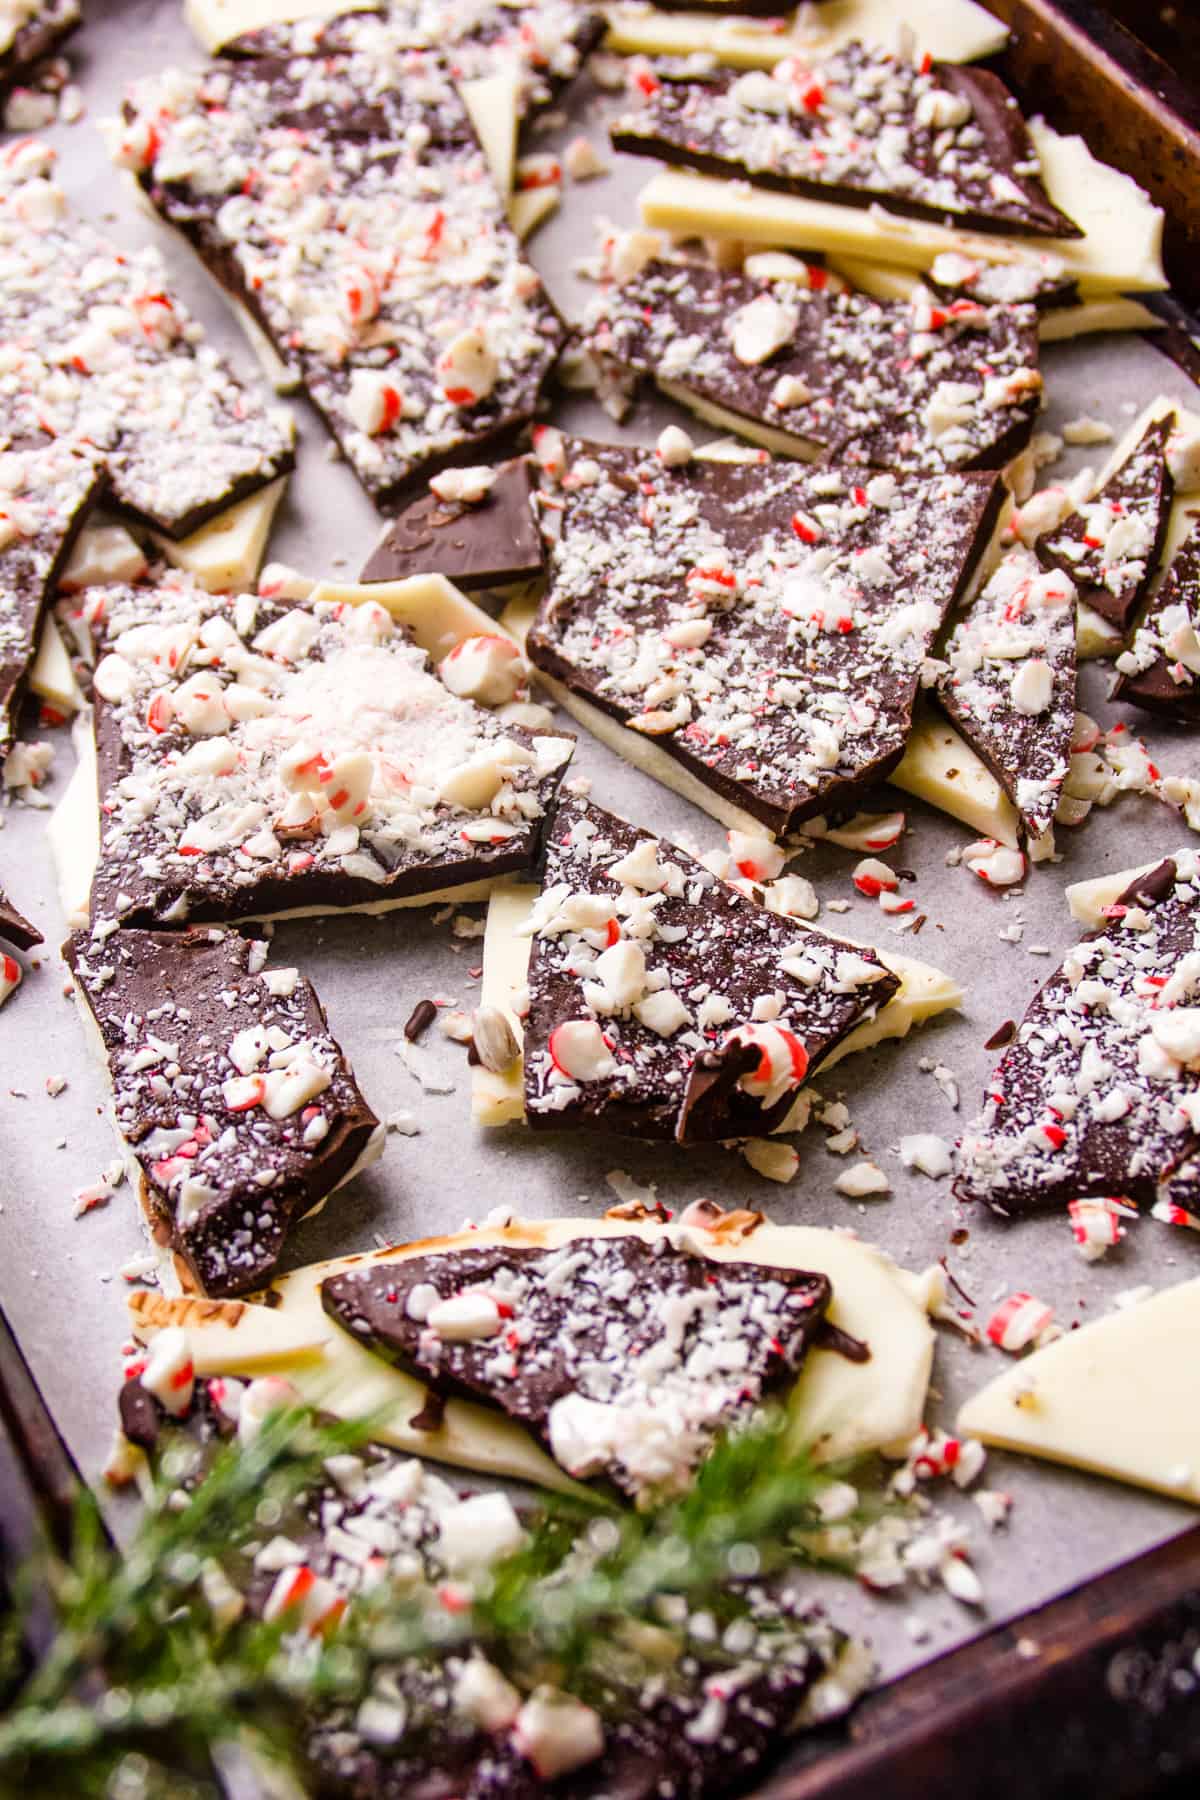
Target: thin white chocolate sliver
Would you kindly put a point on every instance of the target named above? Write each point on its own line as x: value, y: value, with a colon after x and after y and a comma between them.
x: 1087, y: 899
x: 226, y: 554
x: 73, y: 829
x: 217, y: 22
x: 925, y: 991
x: 838, y: 1407
x: 950, y: 30
x: 52, y: 678
x: 1119, y: 1397
x: 940, y: 767
x: 1095, y: 637
x: 493, y: 101
x: 531, y: 207
x: 1121, y: 249
x: 438, y: 614
x: 890, y: 281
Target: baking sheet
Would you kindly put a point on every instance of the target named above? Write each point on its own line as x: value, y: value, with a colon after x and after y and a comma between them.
x: 61, y: 1283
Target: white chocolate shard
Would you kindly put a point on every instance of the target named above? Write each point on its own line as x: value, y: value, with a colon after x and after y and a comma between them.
x: 531, y: 207
x: 1119, y: 1397
x: 1087, y: 899
x: 951, y: 30
x: 226, y: 554
x: 435, y: 611
x: 52, y: 678
x: 493, y: 102
x: 1120, y: 251
x: 940, y: 767
x: 216, y: 22
x: 837, y: 1407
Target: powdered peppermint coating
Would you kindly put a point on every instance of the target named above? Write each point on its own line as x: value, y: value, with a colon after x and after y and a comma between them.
x: 1011, y: 683
x: 1161, y: 669
x: 905, y: 386
x: 44, y: 498
x: 767, y: 624
x: 15, y: 927
x: 481, y: 544
x: 240, y: 1106
x: 1092, y: 1097
x: 859, y: 126
x: 685, y: 1731
x: 548, y: 41
x: 347, y: 201
x: 98, y: 351
x: 257, y: 756
x: 30, y: 30
x: 711, y: 962
x: 1110, y: 545
x: 625, y: 1358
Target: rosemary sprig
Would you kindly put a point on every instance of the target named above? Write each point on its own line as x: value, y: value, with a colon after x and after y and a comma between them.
x: 141, y: 1685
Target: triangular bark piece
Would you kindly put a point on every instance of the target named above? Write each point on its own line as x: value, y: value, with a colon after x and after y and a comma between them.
x: 258, y: 757
x: 1161, y: 669
x: 624, y: 1358
x: 44, y: 498
x: 914, y: 386
x: 1099, y: 1093
x: 15, y: 927
x: 663, y: 1003
x: 1011, y: 686
x: 1110, y: 545
x: 763, y: 625
x: 418, y: 328
x: 237, y: 1103
x: 860, y: 126
x: 480, y: 543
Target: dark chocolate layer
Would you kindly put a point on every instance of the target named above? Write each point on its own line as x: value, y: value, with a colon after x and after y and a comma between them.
x: 481, y: 545
x: 764, y: 625
x: 15, y: 927
x: 239, y: 1105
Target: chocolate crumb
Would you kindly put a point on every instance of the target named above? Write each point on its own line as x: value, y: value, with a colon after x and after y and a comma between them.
x: 1002, y: 1036
x: 419, y: 1020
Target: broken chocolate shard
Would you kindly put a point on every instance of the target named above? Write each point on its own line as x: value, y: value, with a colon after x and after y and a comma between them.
x: 1110, y: 544
x: 624, y: 1358
x: 547, y: 42
x: 45, y: 495
x: 764, y: 625
x: 1011, y: 683
x: 30, y: 32
x: 111, y: 361
x: 912, y: 386
x: 861, y: 127
x: 237, y: 1103
x: 663, y: 1003
x: 1099, y: 1092
x: 401, y: 230
x: 1161, y: 669
x: 259, y: 757
x: 478, y: 544
x: 15, y: 928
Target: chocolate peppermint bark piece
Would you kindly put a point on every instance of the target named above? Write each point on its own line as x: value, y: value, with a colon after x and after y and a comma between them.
x: 1161, y: 669
x: 663, y: 1003
x: 258, y: 757
x: 954, y: 276
x: 546, y: 42
x: 861, y: 127
x: 764, y: 625
x: 29, y: 31
x: 1010, y: 688
x: 913, y: 386
x: 102, y: 354
x: 1099, y: 1093
x: 346, y: 201
x: 45, y: 494
x: 15, y: 927
x: 237, y: 1103
x: 624, y: 1358
x: 475, y: 526
x: 1110, y: 545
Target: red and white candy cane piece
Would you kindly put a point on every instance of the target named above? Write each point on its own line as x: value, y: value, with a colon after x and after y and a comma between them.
x: 806, y: 528
x: 543, y: 170
x: 486, y: 668
x: 994, y: 863
x: 868, y: 831
x: 782, y: 1062
x: 1096, y: 1225
x: 755, y: 858
x: 268, y: 1394
x: 580, y: 1050
x: 305, y: 1598
x: 872, y: 878
x: 467, y: 369
x: 374, y: 400
x: 1018, y: 1322
x: 1168, y: 1213
x: 359, y: 295
x: 10, y: 975
x: 468, y: 486
x: 170, y: 1371
x: 550, y: 450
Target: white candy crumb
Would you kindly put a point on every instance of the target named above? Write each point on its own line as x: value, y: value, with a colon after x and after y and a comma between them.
x: 861, y: 1179
x: 1087, y: 431
x: 927, y: 1153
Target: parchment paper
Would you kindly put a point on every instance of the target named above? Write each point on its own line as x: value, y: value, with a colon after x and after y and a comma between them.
x: 59, y: 1277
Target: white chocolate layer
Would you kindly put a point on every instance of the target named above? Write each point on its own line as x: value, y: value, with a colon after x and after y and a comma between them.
x: 951, y: 30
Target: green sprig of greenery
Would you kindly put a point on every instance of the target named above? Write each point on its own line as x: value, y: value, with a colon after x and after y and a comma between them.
x: 142, y: 1684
